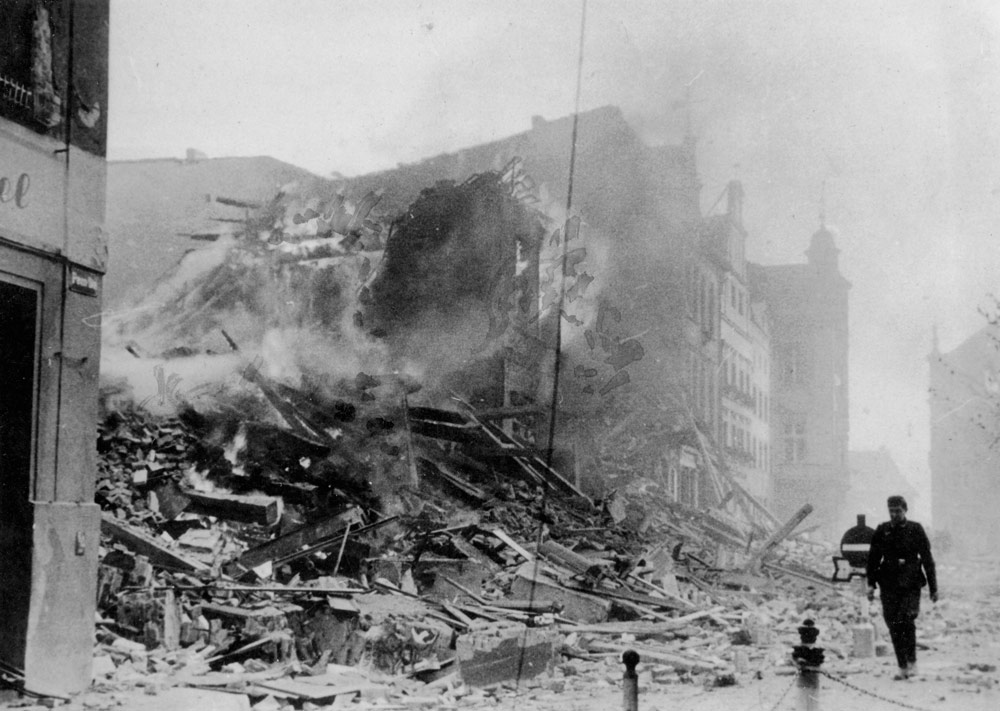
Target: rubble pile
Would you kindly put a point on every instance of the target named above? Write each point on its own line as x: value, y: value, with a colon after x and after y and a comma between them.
x: 226, y: 564
x: 330, y: 522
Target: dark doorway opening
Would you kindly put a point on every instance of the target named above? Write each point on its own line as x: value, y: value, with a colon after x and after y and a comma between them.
x: 19, y: 310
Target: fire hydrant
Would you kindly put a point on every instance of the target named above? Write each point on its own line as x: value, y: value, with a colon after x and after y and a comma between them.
x: 808, y: 658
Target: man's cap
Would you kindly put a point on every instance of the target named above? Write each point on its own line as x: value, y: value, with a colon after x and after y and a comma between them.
x: 897, y: 502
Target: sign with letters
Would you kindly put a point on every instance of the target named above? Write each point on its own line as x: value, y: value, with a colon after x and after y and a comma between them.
x: 31, y: 192
x: 83, y: 282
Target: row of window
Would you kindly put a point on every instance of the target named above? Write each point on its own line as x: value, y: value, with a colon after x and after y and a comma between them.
x: 701, y: 300
x: 702, y: 387
x: 741, y: 380
x: 736, y: 298
x: 746, y: 446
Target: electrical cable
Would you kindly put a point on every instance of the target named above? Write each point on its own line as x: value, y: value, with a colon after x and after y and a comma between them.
x: 553, y: 407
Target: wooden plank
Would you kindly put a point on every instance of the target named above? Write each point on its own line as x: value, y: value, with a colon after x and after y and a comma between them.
x: 511, y: 543
x: 457, y: 614
x: 656, y: 654
x: 637, y: 598
x: 410, y: 459
x: 312, y: 692
x: 823, y: 582
x: 561, y: 555
x: 464, y: 589
x: 641, y: 628
x: 775, y: 538
x: 294, y: 541
x: 502, y: 413
x: 261, y: 510
x: 140, y: 542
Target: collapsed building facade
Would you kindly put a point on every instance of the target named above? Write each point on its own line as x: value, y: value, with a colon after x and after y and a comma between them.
x: 665, y: 321
x: 707, y: 333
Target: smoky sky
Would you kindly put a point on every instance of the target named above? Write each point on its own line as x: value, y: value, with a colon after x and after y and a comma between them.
x: 881, y: 114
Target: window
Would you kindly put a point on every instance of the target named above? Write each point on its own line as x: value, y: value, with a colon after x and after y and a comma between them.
x: 795, y: 441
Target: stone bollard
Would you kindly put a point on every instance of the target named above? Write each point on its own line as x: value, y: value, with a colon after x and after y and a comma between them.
x: 630, y: 681
x: 864, y: 640
x: 809, y: 658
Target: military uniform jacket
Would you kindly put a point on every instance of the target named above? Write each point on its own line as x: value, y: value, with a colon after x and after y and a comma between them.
x: 900, y: 557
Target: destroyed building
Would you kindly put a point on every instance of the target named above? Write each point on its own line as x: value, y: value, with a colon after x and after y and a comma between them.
x: 160, y: 208
x: 324, y: 430
x: 664, y: 318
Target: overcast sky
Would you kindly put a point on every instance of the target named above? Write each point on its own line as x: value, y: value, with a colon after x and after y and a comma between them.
x: 891, y: 104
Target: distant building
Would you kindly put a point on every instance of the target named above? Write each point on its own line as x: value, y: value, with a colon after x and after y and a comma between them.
x: 809, y: 341
x: 874, y: 477
x: 745, y: 378
x: 964, y: 394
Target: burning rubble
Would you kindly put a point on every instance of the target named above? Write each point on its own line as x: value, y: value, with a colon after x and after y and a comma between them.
x: 316, y: 484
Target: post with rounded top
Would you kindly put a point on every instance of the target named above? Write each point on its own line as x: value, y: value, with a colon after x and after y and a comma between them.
x: 630, y: 681
x: 808, y: 658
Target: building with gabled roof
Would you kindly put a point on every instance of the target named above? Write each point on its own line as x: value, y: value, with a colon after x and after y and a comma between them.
x: 808, y: 307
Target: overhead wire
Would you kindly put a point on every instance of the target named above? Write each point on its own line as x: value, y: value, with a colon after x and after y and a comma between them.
x: 557, y: 345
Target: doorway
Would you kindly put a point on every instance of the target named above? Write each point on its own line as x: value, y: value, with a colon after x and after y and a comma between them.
x: 20, y: 304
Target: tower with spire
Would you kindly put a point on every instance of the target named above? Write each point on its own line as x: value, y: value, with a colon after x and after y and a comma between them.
x: 808, y: 307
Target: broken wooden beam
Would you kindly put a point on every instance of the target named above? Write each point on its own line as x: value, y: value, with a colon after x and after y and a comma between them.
x: 657, y: 654
x: 261, y: 510
x: 641, y: 627
x: 141, y: 543
x: 296, y: 540
x: 513, y: 411
x: 533, y: 584
x: 511, y: 543
x: 753, y: 564
x: 573, y: 561
x: 439, y: 470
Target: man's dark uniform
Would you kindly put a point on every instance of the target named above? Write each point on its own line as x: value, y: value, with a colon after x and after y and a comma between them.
x: 900, y: 562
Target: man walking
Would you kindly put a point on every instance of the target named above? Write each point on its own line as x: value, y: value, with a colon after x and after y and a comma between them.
x: 900, y: 562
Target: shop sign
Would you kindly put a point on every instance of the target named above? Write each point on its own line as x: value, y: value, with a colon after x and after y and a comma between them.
x: 83, y: 282
x: 14, y: 190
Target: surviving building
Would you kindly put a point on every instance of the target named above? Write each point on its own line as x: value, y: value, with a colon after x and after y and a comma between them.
x: 745, y: 363
x: 808, y: 311
x: 53, y: 126
x: 964, y: 392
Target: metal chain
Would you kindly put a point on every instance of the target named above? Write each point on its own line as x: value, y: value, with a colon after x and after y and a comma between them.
x: 849, y: 685
x: 776, y: 705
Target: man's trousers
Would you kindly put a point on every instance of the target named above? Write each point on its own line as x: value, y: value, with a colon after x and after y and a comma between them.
x: 900, y: 608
